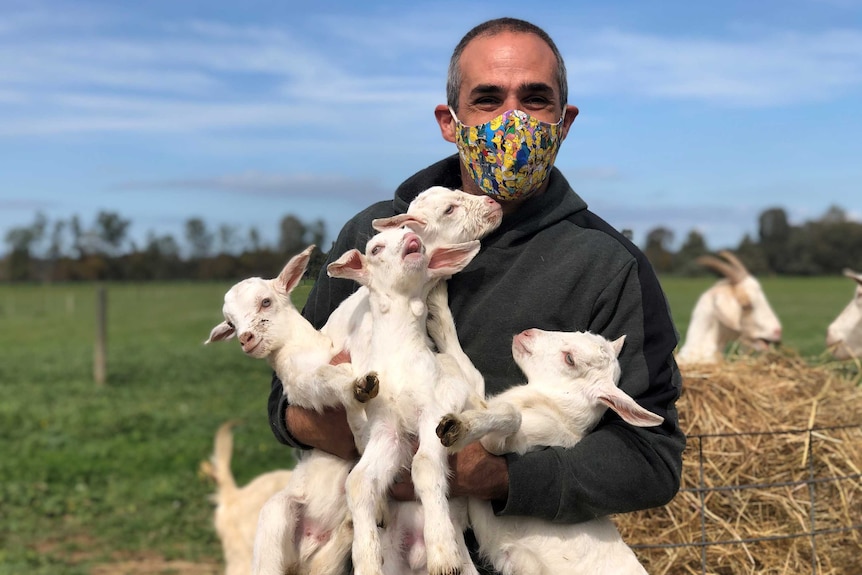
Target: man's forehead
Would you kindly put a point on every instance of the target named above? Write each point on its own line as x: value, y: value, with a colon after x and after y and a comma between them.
x: 504, y: 59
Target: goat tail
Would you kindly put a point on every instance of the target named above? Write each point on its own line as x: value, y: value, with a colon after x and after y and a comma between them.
x: 221, y: 457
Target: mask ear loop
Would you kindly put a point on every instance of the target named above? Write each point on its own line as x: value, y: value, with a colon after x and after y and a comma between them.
x: 454, y: 115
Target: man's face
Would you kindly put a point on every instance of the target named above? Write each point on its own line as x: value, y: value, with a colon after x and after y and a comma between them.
x: 508, y: 71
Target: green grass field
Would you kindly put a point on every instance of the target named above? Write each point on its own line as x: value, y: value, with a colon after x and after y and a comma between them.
x: 92, y: 475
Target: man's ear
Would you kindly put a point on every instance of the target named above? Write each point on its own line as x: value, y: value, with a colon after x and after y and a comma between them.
x: 571, y: 114
x: 446, y: 122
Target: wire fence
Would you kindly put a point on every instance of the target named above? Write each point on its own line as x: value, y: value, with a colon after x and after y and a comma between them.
x: 823, y: 485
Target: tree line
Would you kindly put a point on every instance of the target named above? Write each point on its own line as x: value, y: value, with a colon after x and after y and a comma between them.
x: 68, y: 250
x: 822, y: 246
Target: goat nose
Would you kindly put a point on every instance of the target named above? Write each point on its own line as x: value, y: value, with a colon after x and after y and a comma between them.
x: 246, y: 337
x: 778, y: 334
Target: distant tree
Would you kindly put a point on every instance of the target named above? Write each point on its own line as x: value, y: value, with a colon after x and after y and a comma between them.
x: 77, y: 233
x: 657, y: 249
x: 315, y: 233
x: 693, y: 247
x: 834, y: 215
x: 751, y: 254
x: 254, y: 244
x: 199, y: 238
x: 833, y: 242
x: 228, y: 239
x: 775, y: 231
x: 22, y: 242
x: 111, y: 230
x: 291, y: 235
x: 55, y: 246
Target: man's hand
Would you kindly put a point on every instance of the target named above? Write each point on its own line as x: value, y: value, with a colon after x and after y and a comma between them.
x: 328, y: 431
x: 473, y: 472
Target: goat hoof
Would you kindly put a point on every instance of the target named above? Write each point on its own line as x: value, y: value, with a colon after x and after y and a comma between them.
x: 366, y: 388
x: 449, y: 430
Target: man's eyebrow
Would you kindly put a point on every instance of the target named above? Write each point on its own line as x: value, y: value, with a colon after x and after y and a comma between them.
x: 526, y: 88
x: 534, y: 87
x: 483, y: 89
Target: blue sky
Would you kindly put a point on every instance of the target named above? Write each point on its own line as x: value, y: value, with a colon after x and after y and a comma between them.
x: 693, y: 115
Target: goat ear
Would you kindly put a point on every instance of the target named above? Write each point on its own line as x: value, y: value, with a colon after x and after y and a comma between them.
x: 728, y: 310
x: 220, y: 332
x: 857, y: 277
x: 449, y: 260
x: 415, y: 223
x: 351, y: 265
x: 294, y: 269
x: 617, y: 344
x: 628, y: 409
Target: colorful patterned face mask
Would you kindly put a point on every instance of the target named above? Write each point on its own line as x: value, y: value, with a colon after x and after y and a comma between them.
x: 510, y: 156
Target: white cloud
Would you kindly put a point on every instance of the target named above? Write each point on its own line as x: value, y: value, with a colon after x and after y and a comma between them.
x: 773, y: 69
x: 272, y: 184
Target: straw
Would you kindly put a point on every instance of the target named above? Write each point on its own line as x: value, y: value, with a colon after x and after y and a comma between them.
x: 768, y: 436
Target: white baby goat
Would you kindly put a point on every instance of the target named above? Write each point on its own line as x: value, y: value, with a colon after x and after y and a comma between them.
x: 735, y: 308
x: 572, y: 379
x: 844, y: 335
x: 237, y: 508
x: 440, y: 216
x: 305, y: 528
x: 416, y: 390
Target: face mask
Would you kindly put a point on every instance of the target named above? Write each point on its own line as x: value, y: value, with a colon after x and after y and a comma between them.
x: 510, y: 156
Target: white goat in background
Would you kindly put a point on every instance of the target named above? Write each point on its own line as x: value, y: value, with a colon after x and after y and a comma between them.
x: 571, y: 381
x: 735, y: 308
x: 237, y: 508
x: 416, y: 391
x: 844, y: 335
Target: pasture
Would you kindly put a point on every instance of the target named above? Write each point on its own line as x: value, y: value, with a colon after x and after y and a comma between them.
x: 93, y: 477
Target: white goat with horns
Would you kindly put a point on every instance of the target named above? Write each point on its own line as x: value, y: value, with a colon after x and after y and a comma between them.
x: 844, y: 335
x: 735, y: 308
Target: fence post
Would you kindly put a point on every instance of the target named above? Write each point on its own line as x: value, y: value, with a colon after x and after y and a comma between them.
x: 100, y: 353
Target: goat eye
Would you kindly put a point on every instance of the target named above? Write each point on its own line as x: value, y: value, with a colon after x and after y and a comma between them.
x: 449, y: 209
x: 265, y: 302
x: 570, y: 359
x: 375, y: 250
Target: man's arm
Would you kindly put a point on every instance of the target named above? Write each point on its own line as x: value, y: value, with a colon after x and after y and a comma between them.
x: 616, y: 468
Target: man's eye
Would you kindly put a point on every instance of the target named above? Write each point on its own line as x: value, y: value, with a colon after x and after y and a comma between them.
x: 265, y: 302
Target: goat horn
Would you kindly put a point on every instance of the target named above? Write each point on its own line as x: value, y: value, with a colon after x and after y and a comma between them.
x: 735, y: 261
x: 727, y: 270
x: 852, y: 275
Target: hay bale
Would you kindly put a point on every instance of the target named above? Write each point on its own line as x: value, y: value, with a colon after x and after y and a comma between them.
x: 773, y: 434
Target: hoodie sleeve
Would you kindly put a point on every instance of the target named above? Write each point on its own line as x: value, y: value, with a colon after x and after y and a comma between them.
x: 617, y: 468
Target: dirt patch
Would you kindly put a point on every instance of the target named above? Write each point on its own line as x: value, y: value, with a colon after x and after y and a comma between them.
x: 156, y: 565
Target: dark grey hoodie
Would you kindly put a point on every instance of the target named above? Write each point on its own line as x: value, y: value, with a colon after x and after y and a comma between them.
x: 553, y: 265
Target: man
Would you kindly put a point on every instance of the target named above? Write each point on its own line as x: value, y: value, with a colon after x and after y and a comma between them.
x: 552, y: 264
